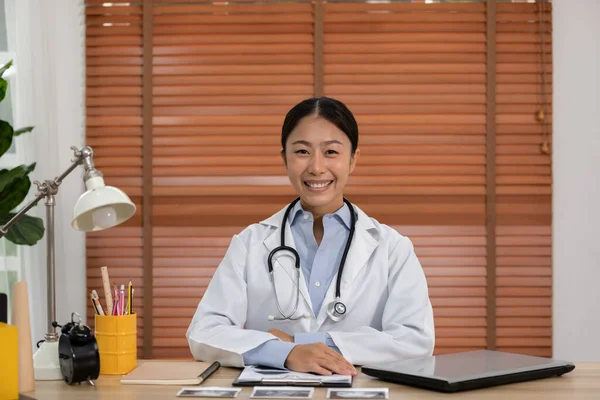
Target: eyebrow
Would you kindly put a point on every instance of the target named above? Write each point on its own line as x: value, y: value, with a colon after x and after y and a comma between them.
x: 304, y: 142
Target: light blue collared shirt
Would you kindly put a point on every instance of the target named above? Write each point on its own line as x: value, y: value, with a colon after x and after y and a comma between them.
x: 319, y: 265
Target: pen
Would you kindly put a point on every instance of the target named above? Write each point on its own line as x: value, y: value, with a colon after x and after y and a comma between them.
x: 129, y: 298
x: 107, y: 294
x: 209, y: 371
x: 96, y: 303
x: 115, y: 310
x: 122, y: 300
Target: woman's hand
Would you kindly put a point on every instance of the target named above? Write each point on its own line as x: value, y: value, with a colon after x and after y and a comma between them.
x: 281, y: 335
x: 318, y: 358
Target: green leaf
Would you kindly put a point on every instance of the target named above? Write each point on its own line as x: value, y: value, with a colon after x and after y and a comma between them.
x: 5, y: 67
x: 27, y: 231
x: 23, y: 130
x: 3, y: 87
x: 14, y: 194
x: 6, y: 176
x: 6, y: 135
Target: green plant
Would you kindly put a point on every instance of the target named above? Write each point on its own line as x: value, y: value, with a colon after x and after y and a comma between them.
x: 15, y: 184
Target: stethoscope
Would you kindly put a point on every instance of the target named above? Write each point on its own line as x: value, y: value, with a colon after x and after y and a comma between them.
x: 336, y: 309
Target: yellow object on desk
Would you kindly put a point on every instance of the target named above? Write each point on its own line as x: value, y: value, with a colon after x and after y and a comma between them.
x: 117, y: 343
x: 9, y: 362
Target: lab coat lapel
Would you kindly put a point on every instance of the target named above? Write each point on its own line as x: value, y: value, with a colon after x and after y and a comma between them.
x: 282, y: 261
x: 362, y: 247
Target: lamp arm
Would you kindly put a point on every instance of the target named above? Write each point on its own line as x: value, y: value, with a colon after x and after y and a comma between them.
x: 50, y: 187
x: 4, y: 228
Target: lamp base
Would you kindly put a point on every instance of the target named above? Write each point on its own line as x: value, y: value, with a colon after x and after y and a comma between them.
x: 46, y: 366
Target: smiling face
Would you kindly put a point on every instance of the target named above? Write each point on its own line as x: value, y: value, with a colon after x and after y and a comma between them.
x: 318, y: 159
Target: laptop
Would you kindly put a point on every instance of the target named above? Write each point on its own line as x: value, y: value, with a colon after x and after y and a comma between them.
x: 468, y: 370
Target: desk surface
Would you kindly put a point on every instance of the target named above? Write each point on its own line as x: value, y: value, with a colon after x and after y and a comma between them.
x: 582, y: 383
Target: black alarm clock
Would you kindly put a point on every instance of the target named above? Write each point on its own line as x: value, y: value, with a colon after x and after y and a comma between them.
x: 78, y: 353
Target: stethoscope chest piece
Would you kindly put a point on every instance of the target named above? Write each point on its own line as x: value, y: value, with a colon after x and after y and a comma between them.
x: 336, y: 310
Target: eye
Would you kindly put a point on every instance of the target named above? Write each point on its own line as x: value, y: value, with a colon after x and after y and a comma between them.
x: 301, y: 151
x: 331, y: 152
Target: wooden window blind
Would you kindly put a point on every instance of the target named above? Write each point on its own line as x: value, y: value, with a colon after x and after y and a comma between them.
x: 114, y: 130
x: 415, y: 76
x: 524, y: 181
x: 224, y: 74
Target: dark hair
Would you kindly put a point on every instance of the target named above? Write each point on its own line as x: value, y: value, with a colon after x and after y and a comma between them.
x: 332, y: 110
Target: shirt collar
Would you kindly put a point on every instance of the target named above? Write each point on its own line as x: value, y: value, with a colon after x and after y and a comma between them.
x: 342, y: 214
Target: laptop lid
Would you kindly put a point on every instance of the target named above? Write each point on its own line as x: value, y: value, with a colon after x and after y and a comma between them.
x: 468, y: 370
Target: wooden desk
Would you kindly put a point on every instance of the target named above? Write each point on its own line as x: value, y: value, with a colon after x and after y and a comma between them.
x: 582, y: 383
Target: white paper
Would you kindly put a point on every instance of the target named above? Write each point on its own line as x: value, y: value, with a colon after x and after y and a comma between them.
x: 208, y: 391
x: 282, y: 392
x: 358, y: 393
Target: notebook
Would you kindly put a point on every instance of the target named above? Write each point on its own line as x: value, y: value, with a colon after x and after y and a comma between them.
x: 182, y: 373
x: 468, y: 370
x: 263, y: 376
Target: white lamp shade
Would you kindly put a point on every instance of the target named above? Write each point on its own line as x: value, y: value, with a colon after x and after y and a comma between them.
x: 101, y: 207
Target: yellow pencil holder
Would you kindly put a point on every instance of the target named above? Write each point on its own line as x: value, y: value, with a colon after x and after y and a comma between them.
x: 117, y: 343
x: 9, y: 364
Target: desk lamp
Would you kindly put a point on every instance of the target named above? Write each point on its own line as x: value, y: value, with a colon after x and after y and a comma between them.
x: 100, y: 207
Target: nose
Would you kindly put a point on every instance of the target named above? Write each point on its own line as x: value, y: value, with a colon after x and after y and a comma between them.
x: 316, y: 166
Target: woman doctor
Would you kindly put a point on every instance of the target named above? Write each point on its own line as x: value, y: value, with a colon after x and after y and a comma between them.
x: 345, y: 290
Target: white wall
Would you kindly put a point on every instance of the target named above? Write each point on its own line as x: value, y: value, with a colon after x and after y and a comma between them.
x: 576, y: 169
x: 50, y: 45
x: 65, y: 57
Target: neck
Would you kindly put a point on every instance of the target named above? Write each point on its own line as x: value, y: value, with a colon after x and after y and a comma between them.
x: 319, y: 212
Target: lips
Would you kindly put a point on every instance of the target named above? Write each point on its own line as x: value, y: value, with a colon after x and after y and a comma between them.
x: 318, y: 185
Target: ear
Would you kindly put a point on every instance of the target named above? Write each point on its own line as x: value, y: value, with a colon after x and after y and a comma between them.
x: 354, y: 159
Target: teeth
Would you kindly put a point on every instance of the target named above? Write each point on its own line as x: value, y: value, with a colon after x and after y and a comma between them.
x: 318, y: 185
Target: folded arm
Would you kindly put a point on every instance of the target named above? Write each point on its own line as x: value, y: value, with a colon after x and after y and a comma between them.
x: 270, y: 354
x: 275, y: 352
x: 316, y: 337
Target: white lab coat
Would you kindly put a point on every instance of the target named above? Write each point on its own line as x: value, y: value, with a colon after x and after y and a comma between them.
x: 389, y: 315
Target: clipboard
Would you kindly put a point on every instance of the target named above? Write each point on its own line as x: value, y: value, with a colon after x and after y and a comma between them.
x: 264, y: 376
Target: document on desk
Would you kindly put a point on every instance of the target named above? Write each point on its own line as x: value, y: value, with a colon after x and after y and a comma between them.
x: 263, y: 376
